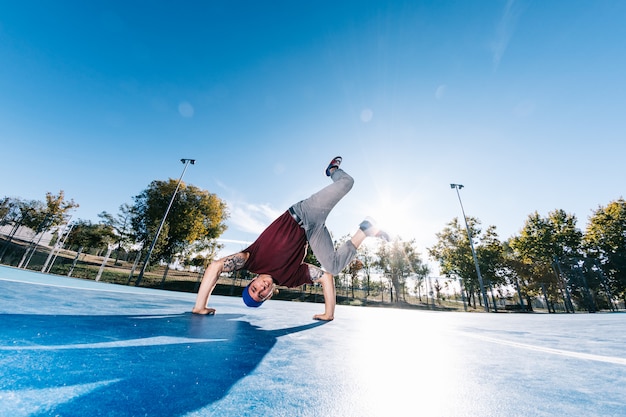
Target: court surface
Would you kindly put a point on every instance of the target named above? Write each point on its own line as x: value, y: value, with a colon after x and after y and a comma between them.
x: 71, y: 347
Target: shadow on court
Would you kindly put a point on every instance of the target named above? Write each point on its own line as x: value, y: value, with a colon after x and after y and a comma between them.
x: 127, y: 364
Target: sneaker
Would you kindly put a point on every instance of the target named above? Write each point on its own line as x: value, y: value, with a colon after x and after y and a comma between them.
x: 369, y: 228
x: 333, y: 164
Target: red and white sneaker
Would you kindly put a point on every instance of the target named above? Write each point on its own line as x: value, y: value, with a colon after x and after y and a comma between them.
x: 333, y: 164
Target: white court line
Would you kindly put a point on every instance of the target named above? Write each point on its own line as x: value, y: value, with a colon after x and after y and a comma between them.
x: 578, y: 355
x: 148, y: 341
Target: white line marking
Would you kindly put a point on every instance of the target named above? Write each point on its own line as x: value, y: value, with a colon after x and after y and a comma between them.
x: 578, y: 355
x: 148, y: 341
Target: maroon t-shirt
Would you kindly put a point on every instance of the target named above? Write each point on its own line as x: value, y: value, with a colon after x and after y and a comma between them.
x: 279, y: 251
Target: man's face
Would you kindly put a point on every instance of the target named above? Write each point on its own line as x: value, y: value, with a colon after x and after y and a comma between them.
x: 261, y: 288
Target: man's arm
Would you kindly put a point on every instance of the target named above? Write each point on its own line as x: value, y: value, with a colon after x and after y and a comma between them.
x: 328, y: 289
x: 210, y: 277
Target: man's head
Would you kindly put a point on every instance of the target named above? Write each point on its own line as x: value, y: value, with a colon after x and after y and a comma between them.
x: 260, y: 289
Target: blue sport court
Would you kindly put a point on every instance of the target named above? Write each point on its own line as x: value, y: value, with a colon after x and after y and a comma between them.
x: 72, y: 347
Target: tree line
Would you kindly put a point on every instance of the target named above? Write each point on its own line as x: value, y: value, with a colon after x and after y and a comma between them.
x: 189, y: 235
x: 551, y: 258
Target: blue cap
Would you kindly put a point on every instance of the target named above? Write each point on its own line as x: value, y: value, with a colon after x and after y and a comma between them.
x: 250, y: 302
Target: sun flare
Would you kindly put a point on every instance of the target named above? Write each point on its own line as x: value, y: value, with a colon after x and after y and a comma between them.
x: 392, y: 216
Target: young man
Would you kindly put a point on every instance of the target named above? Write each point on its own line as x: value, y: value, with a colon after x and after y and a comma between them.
x: 278, y: 253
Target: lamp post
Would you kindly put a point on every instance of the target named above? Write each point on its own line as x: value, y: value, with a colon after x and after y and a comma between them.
x: 156, y: 236
x: 457, y: 187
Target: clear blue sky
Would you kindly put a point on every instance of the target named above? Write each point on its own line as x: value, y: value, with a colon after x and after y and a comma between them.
x: 523, y: 102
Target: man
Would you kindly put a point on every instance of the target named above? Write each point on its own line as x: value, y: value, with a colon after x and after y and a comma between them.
x: 278, y: 253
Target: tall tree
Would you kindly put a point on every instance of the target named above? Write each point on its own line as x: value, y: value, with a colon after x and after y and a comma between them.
x: 11, y: 210
x: 57, y: 208
x: 605, y: 240
x: 196, y: 217
x: 454, y: 255
x: 120, y: 225
x: 353, y: 270
x: 41, y: 216
x: 86, y: 235
x: 518, y: 275
x: 365, y: 255
x: 36, y: 215
x: 490, y: 254
x: 399, y: 261
x: 5, y: 209
x: 542, y: 241
x: 89, y: 235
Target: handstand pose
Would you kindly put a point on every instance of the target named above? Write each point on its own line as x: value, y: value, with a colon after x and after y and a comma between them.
x: 278, y: 253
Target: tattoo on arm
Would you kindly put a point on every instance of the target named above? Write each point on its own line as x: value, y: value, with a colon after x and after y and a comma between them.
x: 234, y: 262
x: 315, y: 273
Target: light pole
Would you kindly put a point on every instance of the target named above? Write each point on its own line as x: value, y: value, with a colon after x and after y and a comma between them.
x: 156, y: 236
x: 457, y: 187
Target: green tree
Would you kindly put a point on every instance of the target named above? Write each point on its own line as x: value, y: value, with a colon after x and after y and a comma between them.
x: 542, y: 241
x: 120, y: 224
x: 518, y: 274
x: 195, y: 219
x: 86, y: 235
x: 367, y: 258
x: 5, y: 209
x: 399, y: 261
x: 11, y: 210
x: 353, y: 270
x: 42, y: 216
x: 605, y: 240
x: 490, y: 254
x: 36, y: 215
x: 57, y: 207
x: 454, y: 255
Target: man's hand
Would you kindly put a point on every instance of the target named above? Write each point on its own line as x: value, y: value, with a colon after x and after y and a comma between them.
x: 210, y: 277
x: 204, y: 311
x: 328, y: 289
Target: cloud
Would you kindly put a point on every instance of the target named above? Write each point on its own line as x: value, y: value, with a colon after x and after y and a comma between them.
x: 237, y: 241
x: 505, y: 28
x: 247, y: 217
x: 252, y: 218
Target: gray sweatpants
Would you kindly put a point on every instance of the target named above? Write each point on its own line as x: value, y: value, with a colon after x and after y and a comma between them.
x: 314, y: 210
